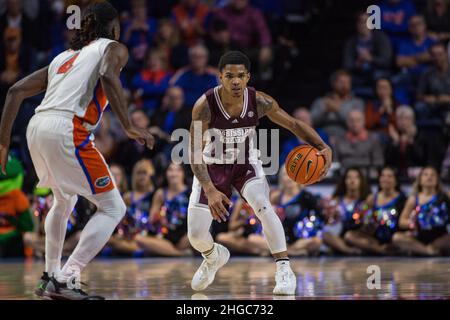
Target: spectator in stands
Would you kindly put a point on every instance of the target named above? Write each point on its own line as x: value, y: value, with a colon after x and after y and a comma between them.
x: 359, y: 147
x: 342, y: 211
x: 105, y: 141
x: 425, y: 218
x: 138, y: 33
x: 299, y: 211
x: 198, y: 77
x: 304, y: 115
x: 367, y: 55
x: 15, y: 17
x: 433, y: 92
x: 380, y: 219
x: 16, y: 223
x: 120, y: 177
x: 152, y: 81
x: 137, y: 218
x: 409, y: 148
x: 171, y: 115
x: 437, y: 17
x: 395, y: 15
x: 219, y: 41
x: 330, y: 112
x: 167, y: 39
x: 130, y: 151
x: 168, y: 217
x: 248, y: 28
x: 244, y: 234
x: 15, y: 60
x: 380, y: 112
x: 191, y: 18
x: 413, y: 58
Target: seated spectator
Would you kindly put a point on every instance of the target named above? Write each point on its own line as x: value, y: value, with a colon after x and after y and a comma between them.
x: 359, y: 147
x: 197, y: 78
x: 219, y: 41
x: 120, y: 177
x: 171, y: 115
x: 16, y: 223
x: 367, y: 55
x: 304, y: 115
x: 191, y: 18
x: 137, y: 217
x: 248, y: 28
x: 330, y: 112
x: 380, y: 112
x: 380, y: 219
x: 105, y: 141
x: 299, y: 211
x: 342, y: 211
x: 132, y: 151
x: 244, y: 234
x: 167, y: 39
x: 151, y: 82
x: 139, y: 32
x: 425, y: 218
x: 412, y: 58
x: 168, y: 217
x: 15, y: 60
x: 409, y: 148
x: 395, y: 15
x: 437, y: 17
x: 433, y: 91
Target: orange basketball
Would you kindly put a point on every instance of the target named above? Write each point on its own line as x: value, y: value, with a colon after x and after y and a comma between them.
x: 303, y: 165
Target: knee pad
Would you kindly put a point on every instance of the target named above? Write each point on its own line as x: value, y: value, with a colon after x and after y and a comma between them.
x: 110, y: 203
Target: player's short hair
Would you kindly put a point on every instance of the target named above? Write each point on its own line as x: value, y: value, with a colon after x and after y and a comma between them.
x: 94, y: 24
x: 234, y: 57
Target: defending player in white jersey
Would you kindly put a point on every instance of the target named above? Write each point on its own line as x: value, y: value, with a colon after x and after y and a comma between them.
x: 78, y: 83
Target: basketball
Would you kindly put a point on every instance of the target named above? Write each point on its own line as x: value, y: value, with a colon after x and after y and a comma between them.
x: 303, y: 165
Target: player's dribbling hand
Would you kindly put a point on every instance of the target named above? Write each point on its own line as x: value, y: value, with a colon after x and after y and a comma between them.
x: 143, y: 136
x: 4, y: 151
x: 215, y: 203
x: 328, y: 155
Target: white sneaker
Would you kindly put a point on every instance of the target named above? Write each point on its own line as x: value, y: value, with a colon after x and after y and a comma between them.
x: 286, y: 282
x: 205, y: 274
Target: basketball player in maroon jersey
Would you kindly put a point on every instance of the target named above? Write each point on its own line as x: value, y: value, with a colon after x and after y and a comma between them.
x: 230, y: 112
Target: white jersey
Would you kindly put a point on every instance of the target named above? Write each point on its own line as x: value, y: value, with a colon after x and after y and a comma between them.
x: 74, y: 86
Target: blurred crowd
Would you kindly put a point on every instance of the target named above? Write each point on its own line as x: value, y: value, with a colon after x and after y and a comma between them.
x: 386, y: 115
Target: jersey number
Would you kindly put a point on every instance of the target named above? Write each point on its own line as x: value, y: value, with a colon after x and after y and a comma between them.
x: 66, y: 66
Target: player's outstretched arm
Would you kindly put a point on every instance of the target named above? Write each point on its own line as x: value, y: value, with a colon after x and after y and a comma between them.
x: 29, y: 86
x: 201, y: 116
x: 115, y: 58
x: 267, y: 106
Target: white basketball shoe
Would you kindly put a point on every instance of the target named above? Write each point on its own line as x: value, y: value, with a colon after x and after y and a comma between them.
x: 205, y: 274
x: 285, y: 279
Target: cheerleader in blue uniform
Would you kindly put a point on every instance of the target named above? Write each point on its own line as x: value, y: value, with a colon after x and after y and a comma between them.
x: 425, y: 218
x: 137, y: 217
x: 299, y: 211
x: 244, y: 234
x: 167, y: 235
x: 343, y: 210
x: 380, y: 216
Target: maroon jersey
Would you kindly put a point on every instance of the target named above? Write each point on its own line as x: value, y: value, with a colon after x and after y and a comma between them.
x: 238, y: 163
x: 237, y: 134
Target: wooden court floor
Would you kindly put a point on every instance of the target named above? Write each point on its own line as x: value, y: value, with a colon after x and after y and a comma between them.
x: 245, y: 278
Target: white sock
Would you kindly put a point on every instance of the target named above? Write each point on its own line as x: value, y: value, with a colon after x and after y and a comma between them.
x: 55, y: 229
x: 213, y: 255
x: 282, y: 264
x: 96, y: 233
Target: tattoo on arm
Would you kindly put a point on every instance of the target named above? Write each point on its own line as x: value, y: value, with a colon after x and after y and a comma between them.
x: 264, y: 104
x: 200, y: 114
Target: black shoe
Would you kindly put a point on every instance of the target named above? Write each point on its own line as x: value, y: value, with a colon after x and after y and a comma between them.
x: 59, y: 291
x: 42, y: 285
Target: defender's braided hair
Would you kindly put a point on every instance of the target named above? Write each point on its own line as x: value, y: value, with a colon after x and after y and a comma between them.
x: 94, y: 24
